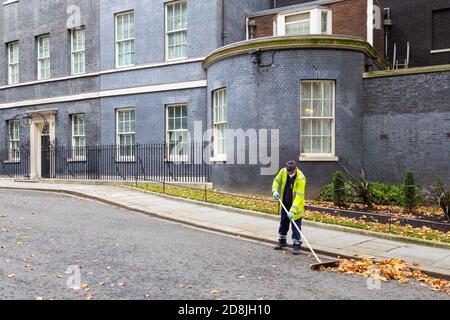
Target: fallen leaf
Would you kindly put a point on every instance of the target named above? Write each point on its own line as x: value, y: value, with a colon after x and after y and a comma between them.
x: 12, y: 275
x: 38, y: 298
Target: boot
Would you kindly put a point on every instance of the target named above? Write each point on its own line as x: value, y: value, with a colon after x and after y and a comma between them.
x: 296, y: 247
x: 281, y: 244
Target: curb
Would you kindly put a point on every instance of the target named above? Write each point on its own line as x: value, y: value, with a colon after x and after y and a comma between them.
x: 333, y: 227
x: 200, y: 226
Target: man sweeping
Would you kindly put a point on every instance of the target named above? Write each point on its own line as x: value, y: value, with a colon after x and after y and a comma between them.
x: 289, y: 187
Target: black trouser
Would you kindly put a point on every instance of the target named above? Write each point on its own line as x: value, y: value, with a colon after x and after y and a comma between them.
x: 284, y: 228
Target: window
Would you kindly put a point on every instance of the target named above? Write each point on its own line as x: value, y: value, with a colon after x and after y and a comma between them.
x: 317, y: 118
x: 14, y: 140
x: 176, y: 30
x: 13, y: 63
x: 324, y: 22
x: 220, y: 122
x: 43, y: 57
x: 440, y: 39
x: 177, y: 132
x: 78, y: 137
x: 297, y: 24
x: 314, y: 21
x: 126, y: 133
x: 78, y: 51
x: 125, y: 39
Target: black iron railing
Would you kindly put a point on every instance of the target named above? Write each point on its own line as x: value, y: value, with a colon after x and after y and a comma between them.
x: 15, y: 163
x: 141, y: 162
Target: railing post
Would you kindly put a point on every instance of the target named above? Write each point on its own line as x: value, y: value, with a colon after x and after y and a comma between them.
x: 206, y: 194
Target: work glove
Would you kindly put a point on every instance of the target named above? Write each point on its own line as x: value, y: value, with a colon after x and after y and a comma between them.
x: 276, y: 195
x: 290, y: 215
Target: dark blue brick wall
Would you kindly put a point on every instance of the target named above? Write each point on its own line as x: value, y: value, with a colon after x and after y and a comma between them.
x: 270, y: 98
x: 407, y: 127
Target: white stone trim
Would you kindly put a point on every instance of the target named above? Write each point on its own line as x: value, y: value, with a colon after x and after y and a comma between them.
x: 109, y: 93
x: 370, y: 17
x: 9, y: 2
x: 318, y: 159
x: 440, y: 51
x: 109, y: 71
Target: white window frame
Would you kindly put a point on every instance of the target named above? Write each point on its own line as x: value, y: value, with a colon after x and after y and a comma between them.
x: 81, y: 52
x: 119, y: 156
x: 76, y: 156
x: 176, y: 157
x: 13, y: 141
x: 320, y: 156
x: 329, y: 22
x: 315, y: 21
x: 132, y: 39
x: 305, y: 20
x: 43, y: 59
x: 167, y: 32
x: 13, y: 65
x: 218, y: 124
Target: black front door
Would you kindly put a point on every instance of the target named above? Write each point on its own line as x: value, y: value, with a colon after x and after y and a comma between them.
x: 45, y: 156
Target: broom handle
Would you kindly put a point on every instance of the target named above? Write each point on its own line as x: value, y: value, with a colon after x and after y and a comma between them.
x: 301, y: 234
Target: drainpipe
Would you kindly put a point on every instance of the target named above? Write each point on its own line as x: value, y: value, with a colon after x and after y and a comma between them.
x: 387, y: 29
x: 224, y: 32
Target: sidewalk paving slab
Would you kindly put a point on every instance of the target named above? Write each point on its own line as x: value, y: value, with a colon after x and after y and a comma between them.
x: 259, y: 227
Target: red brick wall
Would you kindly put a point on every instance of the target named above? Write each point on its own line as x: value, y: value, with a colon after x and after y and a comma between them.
x: 264, y: 25
x: 350, y: 18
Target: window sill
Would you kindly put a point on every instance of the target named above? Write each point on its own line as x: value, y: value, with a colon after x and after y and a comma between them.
x: 218, y: 159
x: 81, y: 159
x: 12, y: 162
x: 176, y: 59
x: 125, y: 160
x: 318, y: 159
x: 9, y: 2
x: 446, y: 50
x: 177, y: 159
x: 126, y: 66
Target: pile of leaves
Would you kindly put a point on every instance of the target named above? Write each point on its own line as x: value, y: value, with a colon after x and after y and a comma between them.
x: 389, y: 269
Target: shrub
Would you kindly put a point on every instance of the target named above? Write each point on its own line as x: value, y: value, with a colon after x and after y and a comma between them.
x: 440, y: 195
x: 339, y: 193
x: 361, y: 187
x: 387, y: 194
x: 383, y: 194
x: 410, y: 192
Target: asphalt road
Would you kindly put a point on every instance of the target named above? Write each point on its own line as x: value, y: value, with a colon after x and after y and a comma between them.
x: 127, y: 255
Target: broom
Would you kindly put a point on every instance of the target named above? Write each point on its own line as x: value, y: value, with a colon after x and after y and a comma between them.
x: 320, y: 264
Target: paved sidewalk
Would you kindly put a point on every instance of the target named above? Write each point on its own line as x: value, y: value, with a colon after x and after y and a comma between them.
x: 257, y: 227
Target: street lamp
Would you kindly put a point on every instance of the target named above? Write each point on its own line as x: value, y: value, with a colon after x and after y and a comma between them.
x: 28, y: 119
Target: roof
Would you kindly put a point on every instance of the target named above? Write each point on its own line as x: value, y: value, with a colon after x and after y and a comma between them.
x: 294, y: 8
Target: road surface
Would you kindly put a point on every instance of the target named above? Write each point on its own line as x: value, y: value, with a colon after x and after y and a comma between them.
x: 47, y: 239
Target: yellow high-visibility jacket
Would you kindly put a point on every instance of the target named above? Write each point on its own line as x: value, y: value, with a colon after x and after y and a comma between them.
x: 298, y: 199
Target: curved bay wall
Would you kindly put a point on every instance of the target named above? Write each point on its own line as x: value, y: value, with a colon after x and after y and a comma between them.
x: 269, y: 98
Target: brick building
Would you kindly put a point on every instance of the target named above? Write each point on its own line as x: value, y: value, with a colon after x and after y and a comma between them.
x: 316, y: 74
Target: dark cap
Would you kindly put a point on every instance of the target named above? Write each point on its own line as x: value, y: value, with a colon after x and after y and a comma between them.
x: 291, y: 166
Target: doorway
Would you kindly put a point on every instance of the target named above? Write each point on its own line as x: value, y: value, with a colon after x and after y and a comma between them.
x: 42, y: 140
x: 46, y: 154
